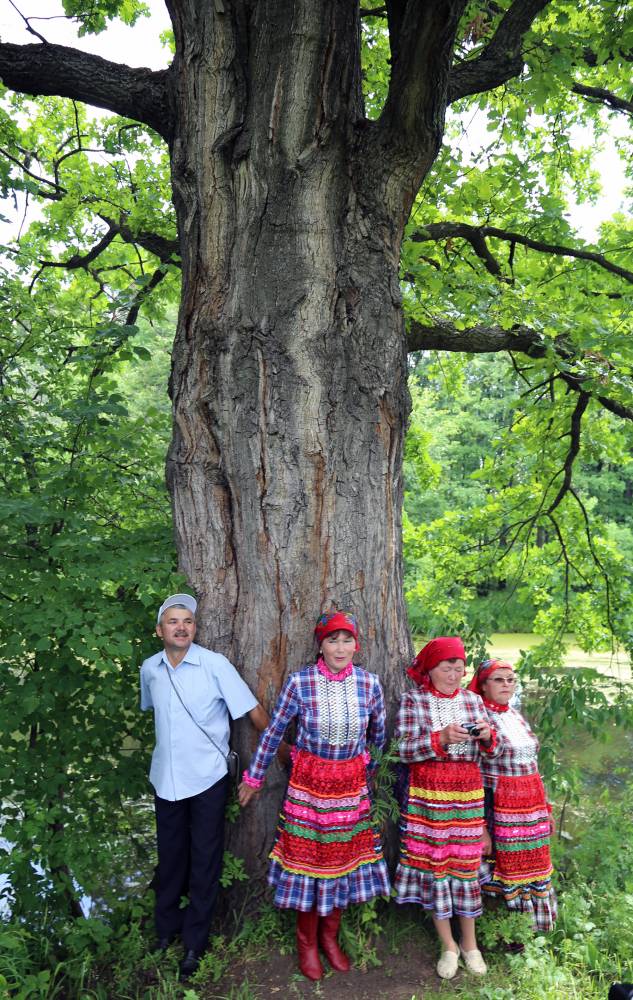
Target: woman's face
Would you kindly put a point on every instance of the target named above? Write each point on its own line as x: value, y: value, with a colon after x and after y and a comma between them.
x: 447, y: 675
x: 500, y: 685
x: 337, y: 649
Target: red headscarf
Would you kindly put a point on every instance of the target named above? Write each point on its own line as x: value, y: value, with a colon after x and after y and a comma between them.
x: 483, y: 672
x: 442, y: 648
x: 335, y: 621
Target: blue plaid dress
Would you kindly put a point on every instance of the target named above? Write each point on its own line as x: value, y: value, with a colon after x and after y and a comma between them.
x: 326, y: 851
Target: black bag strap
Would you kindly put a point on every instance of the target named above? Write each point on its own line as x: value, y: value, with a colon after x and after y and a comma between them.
x: 202, y: 730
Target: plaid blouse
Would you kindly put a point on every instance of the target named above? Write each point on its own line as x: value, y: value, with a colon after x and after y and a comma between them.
x: 302, y: 697
x: 421, y: 717
x: 520, y: 748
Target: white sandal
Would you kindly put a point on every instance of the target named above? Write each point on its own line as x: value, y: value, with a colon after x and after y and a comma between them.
x: 446, y: 968
x: 474, y: 962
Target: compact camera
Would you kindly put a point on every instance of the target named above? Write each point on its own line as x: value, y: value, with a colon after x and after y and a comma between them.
x: 472, y: 729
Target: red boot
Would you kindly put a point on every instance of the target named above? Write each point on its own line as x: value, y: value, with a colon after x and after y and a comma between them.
x: 307, y: 944
x: 328, y: 941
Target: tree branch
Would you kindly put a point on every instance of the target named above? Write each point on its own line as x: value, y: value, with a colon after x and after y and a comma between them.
x: 145, y: 292
x: 502, y: 57
x: 479, y: 339
x: 601, y: 96
x: 83, y: 260
x: 421, y: 37
x: 140, y: 94
x: 594, y: 554
x: 57, y: 192
x: 165, y: 249
x: 574, y: 447
x: 475, y: 234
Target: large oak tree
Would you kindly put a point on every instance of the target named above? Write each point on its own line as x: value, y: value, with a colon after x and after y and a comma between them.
x: 292, y: 198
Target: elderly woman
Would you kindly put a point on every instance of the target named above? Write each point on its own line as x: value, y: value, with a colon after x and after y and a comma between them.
x: 327, y: 853
x: 444, y: 733
x: 517, y: 811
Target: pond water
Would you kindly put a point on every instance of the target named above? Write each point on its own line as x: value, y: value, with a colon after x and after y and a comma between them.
x: 508, y: 645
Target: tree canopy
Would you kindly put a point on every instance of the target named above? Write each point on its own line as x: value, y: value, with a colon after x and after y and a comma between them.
x: 517, y: 325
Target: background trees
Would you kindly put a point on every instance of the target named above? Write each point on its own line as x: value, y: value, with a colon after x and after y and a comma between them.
x: 298, y: 164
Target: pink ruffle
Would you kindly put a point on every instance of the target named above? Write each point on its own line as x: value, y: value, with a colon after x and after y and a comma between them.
x: 317, y: 819
x: 441, y: 851
x: 323, y: 668
x: 252, y: 782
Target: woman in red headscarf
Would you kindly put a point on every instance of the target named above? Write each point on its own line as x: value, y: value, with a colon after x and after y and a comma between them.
x: 517, y: 812
x: 327, y: 853
x: 444, y: 733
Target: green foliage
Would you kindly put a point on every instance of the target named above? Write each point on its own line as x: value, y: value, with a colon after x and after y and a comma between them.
x: 86, y: 550
x: 359, y: 930
x: 93, y: 16
x: 482, y: 468
x: 487, y: 544
x: 595, y: 927
x: 233, y: 870
x: 384, y: 804
x: 84, y: 536
x: 375, y: 62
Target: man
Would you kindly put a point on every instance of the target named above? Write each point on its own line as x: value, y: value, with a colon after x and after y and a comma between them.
x: 193, y: 691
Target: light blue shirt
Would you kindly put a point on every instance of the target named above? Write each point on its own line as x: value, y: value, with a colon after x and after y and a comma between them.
x: 184, y: 761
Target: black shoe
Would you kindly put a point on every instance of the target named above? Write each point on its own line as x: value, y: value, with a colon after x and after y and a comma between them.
x: 189, y: 964
x: 163, y: 943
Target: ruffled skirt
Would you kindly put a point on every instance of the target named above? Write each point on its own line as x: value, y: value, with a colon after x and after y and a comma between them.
x: 327, y: 852
x: 520, y: 872
x: 441, y: 839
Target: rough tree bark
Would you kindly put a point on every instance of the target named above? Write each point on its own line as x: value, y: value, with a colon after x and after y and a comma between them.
x: 289, y: 375
x: 289, y: 366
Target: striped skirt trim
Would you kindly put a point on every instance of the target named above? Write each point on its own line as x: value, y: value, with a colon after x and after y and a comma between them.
x: 520, y: 872
x: 521, y: 848
x: 327, y: 832
x: 441, y: 838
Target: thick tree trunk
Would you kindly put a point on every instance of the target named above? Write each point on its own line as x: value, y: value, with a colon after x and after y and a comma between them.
x: 289, y: 368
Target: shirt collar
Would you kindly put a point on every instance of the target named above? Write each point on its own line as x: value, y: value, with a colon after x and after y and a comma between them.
x: 191, y: 656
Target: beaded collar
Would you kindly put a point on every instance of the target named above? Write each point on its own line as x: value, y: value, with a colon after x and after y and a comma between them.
x: 329, y: 675
x: 494, y: 706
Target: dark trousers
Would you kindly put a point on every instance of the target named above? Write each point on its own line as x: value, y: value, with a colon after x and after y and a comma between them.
x: 190, y: 838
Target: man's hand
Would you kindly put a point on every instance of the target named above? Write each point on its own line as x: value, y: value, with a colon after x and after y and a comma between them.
x: 245, y: 793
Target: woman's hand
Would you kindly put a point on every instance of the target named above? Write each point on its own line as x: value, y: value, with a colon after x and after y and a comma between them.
x: 453, y: 733
x: 484, y: 731
x: 245, y: 793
